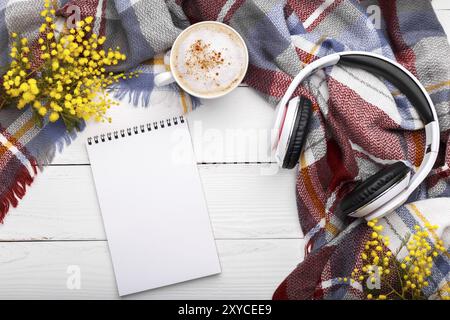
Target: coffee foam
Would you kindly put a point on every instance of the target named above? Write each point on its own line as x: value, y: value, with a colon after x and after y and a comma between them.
x: 209, y: 59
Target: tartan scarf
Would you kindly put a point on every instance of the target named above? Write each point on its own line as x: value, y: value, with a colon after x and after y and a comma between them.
x: 359, y: 123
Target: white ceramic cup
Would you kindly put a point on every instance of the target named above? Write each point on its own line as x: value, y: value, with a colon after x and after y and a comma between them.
x: 169, y: 77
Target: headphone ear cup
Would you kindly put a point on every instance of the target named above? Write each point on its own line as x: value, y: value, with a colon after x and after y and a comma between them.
x: 299, y: 132
x: 370, y: 189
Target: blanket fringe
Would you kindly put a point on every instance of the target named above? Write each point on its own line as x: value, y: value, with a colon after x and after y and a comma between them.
x: 17, y: 190
x: 139, y: 90
x: 46, y: 156
x: 195, y: 102
x: 136, y: 96
x: 23, y: 178
x: 142, y: 96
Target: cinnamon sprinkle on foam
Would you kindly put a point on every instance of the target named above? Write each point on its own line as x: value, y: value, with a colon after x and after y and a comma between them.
x: 201, y: 56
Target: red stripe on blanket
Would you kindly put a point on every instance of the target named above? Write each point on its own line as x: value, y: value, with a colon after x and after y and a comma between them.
x: 323, y: 15
x: 236, y: 5
x: 404, y: 54
x: 19, y: 147
x: 102, y: 30
x: 14, y: 187
x: 441, y: 175
x: 304, y: 56
x: 303, y: 9
x: 318, y: 293
x: 87, y: 8
x: 352, y: 117
x: 287, y: 10
x: 312, y: 193
x: 200, y: 10
x: 337, y: 167
x: 445, y: 143
x: 273, y: 83
x: 304, y: 282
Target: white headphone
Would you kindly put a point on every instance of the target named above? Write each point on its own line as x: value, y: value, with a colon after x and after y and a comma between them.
x: 390, y: 187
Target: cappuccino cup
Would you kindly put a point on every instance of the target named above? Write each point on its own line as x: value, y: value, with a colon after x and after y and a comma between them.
x: 208, y: 60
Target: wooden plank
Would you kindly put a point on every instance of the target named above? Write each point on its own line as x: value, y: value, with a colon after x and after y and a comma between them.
x: 441, y: 4
x: 234, y: 128
x: 444, y: 18
x: 41, y: 270
x: 244, y: 201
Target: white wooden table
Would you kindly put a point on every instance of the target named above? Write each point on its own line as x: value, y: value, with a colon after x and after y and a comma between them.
x: 56, y: 233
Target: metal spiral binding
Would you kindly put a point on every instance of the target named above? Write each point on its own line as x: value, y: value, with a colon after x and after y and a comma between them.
x: 151, y: 126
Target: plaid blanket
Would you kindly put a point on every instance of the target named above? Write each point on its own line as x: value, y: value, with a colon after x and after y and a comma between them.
x: 360, y: 123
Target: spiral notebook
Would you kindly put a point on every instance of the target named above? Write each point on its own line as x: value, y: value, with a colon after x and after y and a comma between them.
x: 152, y: 204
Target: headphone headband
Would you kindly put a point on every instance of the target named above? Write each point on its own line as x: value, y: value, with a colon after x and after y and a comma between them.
x: 406, y: 82
x: 395, y: 75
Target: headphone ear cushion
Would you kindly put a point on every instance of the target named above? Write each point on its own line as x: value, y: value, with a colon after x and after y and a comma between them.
x: 373, y: 187
x: 299, y: 132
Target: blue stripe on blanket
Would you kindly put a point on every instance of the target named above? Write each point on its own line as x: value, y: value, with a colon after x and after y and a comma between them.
x: 295, y: 26
x: 419, y: 25
x: 265, y: 40
x: 134, y: 33
x: 4, y: 37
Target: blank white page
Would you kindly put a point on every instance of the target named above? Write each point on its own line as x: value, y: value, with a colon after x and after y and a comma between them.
x: 153, y: 208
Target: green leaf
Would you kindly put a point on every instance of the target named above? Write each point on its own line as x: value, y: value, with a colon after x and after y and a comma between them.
x: 38, y: 120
